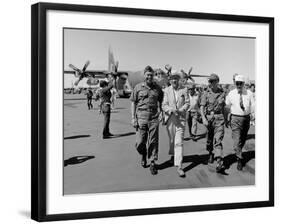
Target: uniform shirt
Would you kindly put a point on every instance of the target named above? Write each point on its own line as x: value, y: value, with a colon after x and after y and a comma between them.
x: 213, y: 101
x: 105, y: 93
x: 194, y: 102
x: 147, y: 99
x: 233, y: 100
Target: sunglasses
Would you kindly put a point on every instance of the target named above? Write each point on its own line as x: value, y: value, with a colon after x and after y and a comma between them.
x: 239, y: 83
x: 212, y: 81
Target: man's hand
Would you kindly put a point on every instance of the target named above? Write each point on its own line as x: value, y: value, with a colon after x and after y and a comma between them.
x: 174, y: 111
x: 205, y: 122
x: 160, y: 117
x: 228, y: 120
x: 226, y: 123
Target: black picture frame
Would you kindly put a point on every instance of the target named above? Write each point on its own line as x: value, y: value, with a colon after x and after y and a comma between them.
x: 39, y: 110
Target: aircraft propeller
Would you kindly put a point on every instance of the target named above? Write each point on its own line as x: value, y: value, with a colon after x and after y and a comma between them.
x: 169, y: 69
x: 187, y: 76
x: 80, y: 74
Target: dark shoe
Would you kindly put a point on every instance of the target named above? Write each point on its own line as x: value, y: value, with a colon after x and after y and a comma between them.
x: 181, y: 172
x: 143, y: 161
x: 220, y: 167
x: 239, y: 164
x: 152, y: 168
x: 211, y: 158
x: 109, y: 134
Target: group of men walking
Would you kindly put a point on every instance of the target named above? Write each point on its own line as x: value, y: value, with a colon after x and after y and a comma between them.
x: 177, y: 105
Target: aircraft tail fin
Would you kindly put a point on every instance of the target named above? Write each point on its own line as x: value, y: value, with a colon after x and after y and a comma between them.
x: 111, y: 61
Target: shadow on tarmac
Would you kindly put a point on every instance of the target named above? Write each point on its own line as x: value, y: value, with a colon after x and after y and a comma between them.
x: 196, y: 160
x: 230, y: 159
x: 122, y: 135
x: 77, y: 159
x: 77, y: 136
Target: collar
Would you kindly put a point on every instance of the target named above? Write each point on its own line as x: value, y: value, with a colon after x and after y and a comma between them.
x: 209, y: 89
x: 243, y: 91
x: 176, y: 89
x: 195, y: 94
x: 149, y: 87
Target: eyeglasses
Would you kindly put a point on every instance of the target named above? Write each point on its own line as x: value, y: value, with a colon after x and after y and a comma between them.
x: 212, y: 81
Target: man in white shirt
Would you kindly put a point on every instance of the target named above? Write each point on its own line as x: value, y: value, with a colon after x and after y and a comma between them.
x: 241, y: 103
x: 193, y: 110
x: 175, y: 104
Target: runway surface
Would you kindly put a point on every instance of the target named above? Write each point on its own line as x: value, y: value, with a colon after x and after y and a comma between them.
x: 95, y: 165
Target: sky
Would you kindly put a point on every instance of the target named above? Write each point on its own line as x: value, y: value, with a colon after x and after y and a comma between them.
x: 134, y: 50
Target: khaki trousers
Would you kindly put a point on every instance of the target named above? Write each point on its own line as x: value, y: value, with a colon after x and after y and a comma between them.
x: 147, y: 138
x: 175, y: 128
x: 240, y: 127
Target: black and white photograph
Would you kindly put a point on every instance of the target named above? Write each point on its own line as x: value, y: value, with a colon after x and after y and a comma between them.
x: 142, y: 111
x: 153, y: 111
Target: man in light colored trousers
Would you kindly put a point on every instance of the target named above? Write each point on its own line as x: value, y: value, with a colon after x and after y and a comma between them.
x: 175, y: 105
x: 241, y: 103
x: 192, y: 114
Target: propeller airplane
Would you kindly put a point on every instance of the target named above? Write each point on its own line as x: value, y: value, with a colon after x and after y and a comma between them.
x: 125, y: 81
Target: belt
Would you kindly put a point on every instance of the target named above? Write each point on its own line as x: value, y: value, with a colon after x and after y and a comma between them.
x: 148, y: 109
x: 235, y: 115
x: 216, y: 113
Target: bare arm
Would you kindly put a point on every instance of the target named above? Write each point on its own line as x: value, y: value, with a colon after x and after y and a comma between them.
x: 133, y: 110
x: 133, y: 113
x: 204, y: 119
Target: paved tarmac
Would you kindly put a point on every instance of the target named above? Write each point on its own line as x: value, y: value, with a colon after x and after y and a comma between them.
x: 95, y: 165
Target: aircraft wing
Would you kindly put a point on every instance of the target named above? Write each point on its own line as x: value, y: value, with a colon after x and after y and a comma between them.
x: 97, y: 73
x: 194, y: 75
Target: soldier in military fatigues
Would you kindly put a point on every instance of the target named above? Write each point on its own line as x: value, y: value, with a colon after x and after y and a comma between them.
x: 212, y: 111
x: 89, y: 99
x: 146, y: 107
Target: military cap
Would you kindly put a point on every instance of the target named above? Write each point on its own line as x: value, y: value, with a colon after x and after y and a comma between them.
x: 214, y: 76
x: 148, y: 69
